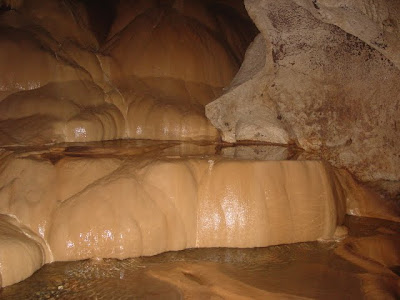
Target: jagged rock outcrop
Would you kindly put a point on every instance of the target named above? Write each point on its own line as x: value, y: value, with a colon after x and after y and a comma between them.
x: 317, y: 77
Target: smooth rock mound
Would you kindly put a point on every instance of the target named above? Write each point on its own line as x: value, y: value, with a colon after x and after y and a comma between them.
x: 169, y: 60
x: 125, y: 207
x: 129, y: 201
x: 149, y: 79
x: 21, y: 251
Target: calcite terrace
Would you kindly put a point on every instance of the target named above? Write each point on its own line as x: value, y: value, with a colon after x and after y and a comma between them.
x: 163, y: 72
x: 126, y: 206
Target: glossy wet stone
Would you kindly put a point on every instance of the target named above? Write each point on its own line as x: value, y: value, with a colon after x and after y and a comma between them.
x: 297, y: 271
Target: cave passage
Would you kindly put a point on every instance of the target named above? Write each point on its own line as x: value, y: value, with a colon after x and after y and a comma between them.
x: 114, y: 183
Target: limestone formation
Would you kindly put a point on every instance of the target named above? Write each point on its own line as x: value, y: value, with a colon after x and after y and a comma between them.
x: 51, y: 84
x: 324, y: 75
x: 321, y: 75
x: 59, y: 84
x: 169, y: 61
x: 98, y: 203
x: 86, y: 207
x: 21, y: 251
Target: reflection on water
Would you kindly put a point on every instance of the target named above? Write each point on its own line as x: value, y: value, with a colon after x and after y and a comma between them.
x: 153, y: 148
x: 306, y: 270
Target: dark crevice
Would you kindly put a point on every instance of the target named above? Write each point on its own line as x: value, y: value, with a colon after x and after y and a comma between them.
x: 101, y: 15
x: 314, y: 2
x: 4, y: 8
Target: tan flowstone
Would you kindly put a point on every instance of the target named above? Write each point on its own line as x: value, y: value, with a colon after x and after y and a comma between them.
x: 120, y: 207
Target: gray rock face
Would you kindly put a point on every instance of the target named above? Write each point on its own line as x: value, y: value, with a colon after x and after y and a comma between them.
x: 318, y: 76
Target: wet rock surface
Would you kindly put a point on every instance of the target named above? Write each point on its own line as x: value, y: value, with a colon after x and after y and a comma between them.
x: 22, y: 252
x: 299, y: 271
x: 321, y: 75
x: 148, y: 79
x: 153, y: 201
x: 132, y: 198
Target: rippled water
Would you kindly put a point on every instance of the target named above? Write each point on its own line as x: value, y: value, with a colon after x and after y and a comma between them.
x: 309, y: 270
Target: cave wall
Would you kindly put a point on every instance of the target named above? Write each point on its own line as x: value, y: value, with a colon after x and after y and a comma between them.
x: 52, y: 87
x: 65, y: 79
x: 324, y: 75
x: 321, y: 74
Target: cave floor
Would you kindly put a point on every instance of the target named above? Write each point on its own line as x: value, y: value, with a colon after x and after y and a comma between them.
x: 365, y: 265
